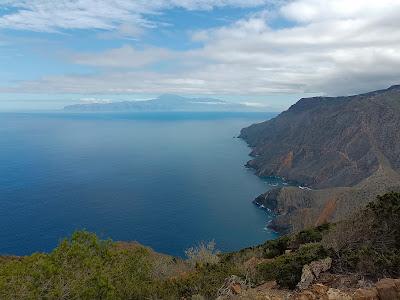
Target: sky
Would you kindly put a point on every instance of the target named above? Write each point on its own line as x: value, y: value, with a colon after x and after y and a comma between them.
x: 273, y: 52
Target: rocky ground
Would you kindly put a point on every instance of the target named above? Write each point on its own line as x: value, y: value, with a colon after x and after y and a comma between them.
x: 325, y: 286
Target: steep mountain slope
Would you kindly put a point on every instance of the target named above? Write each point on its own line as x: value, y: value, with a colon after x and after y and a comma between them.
x: 346, y: 148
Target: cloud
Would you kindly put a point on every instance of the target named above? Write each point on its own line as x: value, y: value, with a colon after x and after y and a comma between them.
x: 254, y: 104
x: 92, y: 100
x: 126, y: 16
x: 124, y: 57
x: 307, y: 11
x: 333, y: 47
x: 326, y: 46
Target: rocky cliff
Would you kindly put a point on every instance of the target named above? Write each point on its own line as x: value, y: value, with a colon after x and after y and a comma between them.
x: 346, y: 149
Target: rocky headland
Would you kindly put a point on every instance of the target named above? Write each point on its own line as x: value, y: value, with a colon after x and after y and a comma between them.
x: 346, y: 150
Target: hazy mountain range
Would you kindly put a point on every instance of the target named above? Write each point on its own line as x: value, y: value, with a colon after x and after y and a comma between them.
x: 167, y: 102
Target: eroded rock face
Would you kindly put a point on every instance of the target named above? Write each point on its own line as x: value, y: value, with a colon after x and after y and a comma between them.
x: 297, y: 208
x: 329, y: 142
x: 346, y: 148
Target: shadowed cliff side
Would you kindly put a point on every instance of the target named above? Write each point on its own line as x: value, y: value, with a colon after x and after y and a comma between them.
x: 346, y: 148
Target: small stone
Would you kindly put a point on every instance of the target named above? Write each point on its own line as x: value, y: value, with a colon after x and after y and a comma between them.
x: 236, y: 289
x: 366, y: 294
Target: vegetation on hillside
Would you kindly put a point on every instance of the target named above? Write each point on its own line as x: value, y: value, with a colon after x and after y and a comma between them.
x: 369, y: 242
x: 85, y: 267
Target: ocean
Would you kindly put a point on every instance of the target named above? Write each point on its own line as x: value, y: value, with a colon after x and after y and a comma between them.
x: 166, y: 180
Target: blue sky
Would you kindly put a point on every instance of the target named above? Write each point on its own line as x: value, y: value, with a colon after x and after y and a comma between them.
x: 272, y: 52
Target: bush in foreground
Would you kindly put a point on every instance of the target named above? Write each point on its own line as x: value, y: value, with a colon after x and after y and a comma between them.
x: 369, y: 242
x: 286, y: 269
x: 85, y: 267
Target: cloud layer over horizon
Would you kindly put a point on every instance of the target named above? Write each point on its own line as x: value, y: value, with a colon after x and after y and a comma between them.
x: 332, y: 47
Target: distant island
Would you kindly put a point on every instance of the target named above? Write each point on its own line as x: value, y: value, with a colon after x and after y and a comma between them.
x: 167, y: 102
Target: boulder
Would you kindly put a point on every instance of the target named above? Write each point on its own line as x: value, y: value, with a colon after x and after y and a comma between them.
x: 319, y: 289
x: 306, y: 295
x: 335, y: 294
x: 397, y: 283
x: 387, y: 289
x: 312, y: 271
x: 319, y: 266
x: 366, y: 294
x: 307, y: 277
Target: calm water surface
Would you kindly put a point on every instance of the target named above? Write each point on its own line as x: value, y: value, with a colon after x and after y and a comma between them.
x: 167, y: 180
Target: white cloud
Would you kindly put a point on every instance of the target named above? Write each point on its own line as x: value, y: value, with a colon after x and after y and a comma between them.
x: 330, y: 46
x: 92, y: 100
x: 124, y: 57
x: 307, y: 11
x: 127, y: 16
x: 254, y: 104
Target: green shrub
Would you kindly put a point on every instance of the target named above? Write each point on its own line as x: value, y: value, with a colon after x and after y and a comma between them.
x: 386, y: 210
x: 286, y: 269
x: 82, y: 267
x: 274, y: 248
x: 203, y: 254
x: 206, y: 281
x: 369, y: 242
x: 311, y: 235
x: 371, y: 262
x: 85, y: 267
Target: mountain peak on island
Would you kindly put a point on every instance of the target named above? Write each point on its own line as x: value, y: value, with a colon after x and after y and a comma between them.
x: 165, y: 102
x: 174, y: 97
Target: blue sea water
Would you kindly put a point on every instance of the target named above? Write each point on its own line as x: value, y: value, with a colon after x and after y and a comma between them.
x: 166, y: 180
